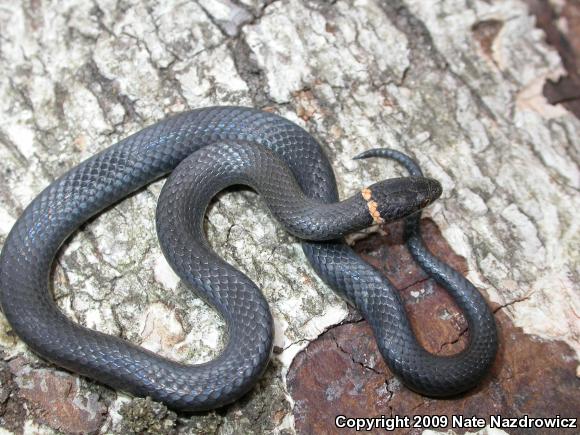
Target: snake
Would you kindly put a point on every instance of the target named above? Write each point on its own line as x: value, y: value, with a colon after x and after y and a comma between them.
x: 206, y: 150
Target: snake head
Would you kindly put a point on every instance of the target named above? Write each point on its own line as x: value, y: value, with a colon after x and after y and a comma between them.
x: 397, y: 198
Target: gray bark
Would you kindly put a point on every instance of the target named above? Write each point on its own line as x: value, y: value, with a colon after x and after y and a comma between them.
x: 77, y: 77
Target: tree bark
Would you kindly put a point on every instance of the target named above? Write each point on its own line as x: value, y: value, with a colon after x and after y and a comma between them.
x: 456, y: 84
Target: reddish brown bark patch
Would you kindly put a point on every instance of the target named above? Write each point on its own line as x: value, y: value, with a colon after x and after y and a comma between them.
x: 485, y: 33
x: 439, y: 324
x: 53, y: 398
x: 566, y: 39
x: 342, y: 371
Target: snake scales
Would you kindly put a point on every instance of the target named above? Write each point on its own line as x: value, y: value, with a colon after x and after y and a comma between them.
x: 214, y: 148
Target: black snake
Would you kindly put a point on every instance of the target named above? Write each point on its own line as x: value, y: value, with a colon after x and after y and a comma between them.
x: 214, y: 148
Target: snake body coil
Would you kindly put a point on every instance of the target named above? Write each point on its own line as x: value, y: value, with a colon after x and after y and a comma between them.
x: 216, y: 146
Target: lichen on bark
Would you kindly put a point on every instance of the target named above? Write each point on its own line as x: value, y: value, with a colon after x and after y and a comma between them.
x: 464, y: 98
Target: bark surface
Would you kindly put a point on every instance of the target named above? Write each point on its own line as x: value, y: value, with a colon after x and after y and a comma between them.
x: 458, y: 85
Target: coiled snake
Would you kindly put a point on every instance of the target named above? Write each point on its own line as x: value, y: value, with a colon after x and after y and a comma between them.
x: 214, y: 148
